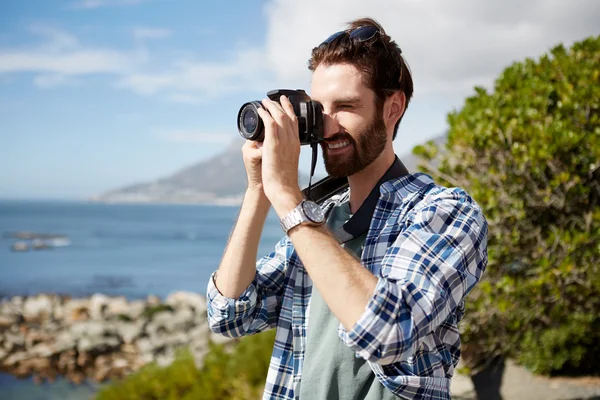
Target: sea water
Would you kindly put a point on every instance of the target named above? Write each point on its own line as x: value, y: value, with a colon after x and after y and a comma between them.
x: 129, y: 250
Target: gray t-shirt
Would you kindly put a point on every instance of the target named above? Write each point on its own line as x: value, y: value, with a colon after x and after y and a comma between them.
x: 331, y: 370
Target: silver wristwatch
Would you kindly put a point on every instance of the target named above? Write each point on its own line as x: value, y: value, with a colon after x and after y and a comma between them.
x: 307, y: 212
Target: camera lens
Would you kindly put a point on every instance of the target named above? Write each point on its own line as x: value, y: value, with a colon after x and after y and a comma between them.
x: 250, y: 125
x: 250, y: 120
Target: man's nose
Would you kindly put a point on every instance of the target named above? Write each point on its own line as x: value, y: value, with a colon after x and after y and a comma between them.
x: 331, y: 126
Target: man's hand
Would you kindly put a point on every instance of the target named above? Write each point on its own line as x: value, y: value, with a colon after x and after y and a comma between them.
x: 253, y: 164
x: 280, y: 155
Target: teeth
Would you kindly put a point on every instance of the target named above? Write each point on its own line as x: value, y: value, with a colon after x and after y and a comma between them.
x: 338, y: 145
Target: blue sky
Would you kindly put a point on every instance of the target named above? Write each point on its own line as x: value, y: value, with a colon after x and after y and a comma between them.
x: 97, y: 94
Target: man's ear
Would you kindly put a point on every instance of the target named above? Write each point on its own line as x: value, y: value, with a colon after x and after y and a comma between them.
x: 396, y: 104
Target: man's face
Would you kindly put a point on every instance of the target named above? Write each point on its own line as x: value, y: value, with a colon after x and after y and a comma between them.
x: 355, y: 133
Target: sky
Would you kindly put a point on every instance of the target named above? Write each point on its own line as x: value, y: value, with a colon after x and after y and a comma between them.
x: 99, y: 94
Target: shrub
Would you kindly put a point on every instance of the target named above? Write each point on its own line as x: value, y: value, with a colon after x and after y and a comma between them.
x: 529, y: 153
x: 226, y: 374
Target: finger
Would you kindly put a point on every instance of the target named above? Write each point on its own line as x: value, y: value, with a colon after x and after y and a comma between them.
x: 269, y: 123
x: 275, y: 110
x: 288, y: 108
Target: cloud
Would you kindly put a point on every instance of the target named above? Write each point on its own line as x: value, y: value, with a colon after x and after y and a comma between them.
x: 450, y: 46
x: 87, y: 4
x: 60, y: 56
x: 47, y: 81
x: 207, y: 79
x: 151, y: 33
x: 193, y: 136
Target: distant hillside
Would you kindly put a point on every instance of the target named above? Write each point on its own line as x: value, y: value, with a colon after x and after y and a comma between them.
x: 218, y: 180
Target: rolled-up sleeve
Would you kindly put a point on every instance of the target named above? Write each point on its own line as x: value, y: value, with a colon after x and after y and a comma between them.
x: 257, y: 308
x: 425, y: 275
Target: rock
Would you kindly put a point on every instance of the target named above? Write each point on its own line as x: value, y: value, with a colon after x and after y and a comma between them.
x: 101, y: 373
x: 66, y: 361
x: 64, y: 341
x: 83, y: 358
x: 97, y: 305
x: 15, y: 358
x: 190, y: 299
x: 90, y: 329
x: 129, y: 331
x: 42, y: 350
x: 152, y: 300
x: 116, y: 306
x: 13, y: 341
x: 101, y: 337
x: 37, y: 308
x: 136, y: 309
x: 17, y: 301
x: 99, y: 345
x: 120, y: 363
x: 20, y: 246
x: 7, y: 320
x: 76, y: 310
x: 11, y: 309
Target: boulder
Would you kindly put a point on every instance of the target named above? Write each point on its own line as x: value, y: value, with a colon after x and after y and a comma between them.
x: 194, y: 300
x: 37, y: 308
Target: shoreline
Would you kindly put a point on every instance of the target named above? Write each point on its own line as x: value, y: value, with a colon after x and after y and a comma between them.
x: 100, y: 337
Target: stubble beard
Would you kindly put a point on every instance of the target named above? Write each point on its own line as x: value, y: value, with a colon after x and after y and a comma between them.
x: 371, y: 143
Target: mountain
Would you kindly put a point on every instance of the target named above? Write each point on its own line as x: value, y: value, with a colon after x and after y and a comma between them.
x: 219, y: 180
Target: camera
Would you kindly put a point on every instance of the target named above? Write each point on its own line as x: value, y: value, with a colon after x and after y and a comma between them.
x: 308, y: 112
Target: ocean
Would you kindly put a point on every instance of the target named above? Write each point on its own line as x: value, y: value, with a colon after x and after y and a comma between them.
x: 129, y: 250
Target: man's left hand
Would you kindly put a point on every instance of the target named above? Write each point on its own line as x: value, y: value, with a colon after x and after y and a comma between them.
x: 280, y: 155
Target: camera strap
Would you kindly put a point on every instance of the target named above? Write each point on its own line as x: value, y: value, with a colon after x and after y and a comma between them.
x: 359, y: 223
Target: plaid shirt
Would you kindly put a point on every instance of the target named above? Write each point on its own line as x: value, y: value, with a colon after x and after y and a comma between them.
x: 426, y: 244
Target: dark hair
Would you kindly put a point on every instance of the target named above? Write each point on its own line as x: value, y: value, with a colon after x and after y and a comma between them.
x: 379, y: 60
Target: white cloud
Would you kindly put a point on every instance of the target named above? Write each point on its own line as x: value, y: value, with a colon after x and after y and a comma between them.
x: 47, y: 81
x: 193, y: 136
x: 246, y: 70
x: 450, y: 46
x: 61, y: 55
x: 151, y: 33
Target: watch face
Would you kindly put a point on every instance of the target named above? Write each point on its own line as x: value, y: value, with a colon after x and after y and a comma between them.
x: 313, y: 211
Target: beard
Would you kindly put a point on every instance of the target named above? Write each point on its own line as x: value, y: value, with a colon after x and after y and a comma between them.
x: 369, y: 144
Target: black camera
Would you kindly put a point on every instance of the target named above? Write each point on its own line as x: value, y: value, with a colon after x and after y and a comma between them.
x: 308, y: 112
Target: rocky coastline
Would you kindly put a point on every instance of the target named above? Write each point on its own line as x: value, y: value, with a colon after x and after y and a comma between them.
x: 99, y: 337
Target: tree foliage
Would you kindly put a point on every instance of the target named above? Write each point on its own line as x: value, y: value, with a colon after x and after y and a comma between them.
x: 227, y: 373
x: 529, y: 153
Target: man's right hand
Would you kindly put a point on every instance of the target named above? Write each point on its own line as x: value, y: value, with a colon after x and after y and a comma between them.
x: 253, y: 163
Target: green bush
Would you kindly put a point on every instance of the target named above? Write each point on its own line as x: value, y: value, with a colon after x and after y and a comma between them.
x: 529, y: 153
x: 226, y: 374
x: 150, y: 311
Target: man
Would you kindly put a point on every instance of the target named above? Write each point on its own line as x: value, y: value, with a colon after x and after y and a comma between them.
x: 369, y: 315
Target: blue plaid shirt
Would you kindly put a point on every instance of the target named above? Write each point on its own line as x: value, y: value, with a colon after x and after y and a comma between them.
x: 426, y: 244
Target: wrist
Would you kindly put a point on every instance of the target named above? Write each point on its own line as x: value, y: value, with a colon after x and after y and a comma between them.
x: 256, y: 196
x: 284, y: 202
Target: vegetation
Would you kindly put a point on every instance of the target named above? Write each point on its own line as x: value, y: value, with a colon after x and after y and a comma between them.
x: 237, y: 373
x: 150, y: 311
x: 529, y: 153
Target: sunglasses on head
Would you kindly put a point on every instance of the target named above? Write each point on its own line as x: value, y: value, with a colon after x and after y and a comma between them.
x: 360, y: 34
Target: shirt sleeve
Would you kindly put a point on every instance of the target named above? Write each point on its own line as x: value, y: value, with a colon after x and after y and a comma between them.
x: 257, y: 308
x: 425, y: 275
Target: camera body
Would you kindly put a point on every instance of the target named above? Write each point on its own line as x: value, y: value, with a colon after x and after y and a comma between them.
x: 308, y: 112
